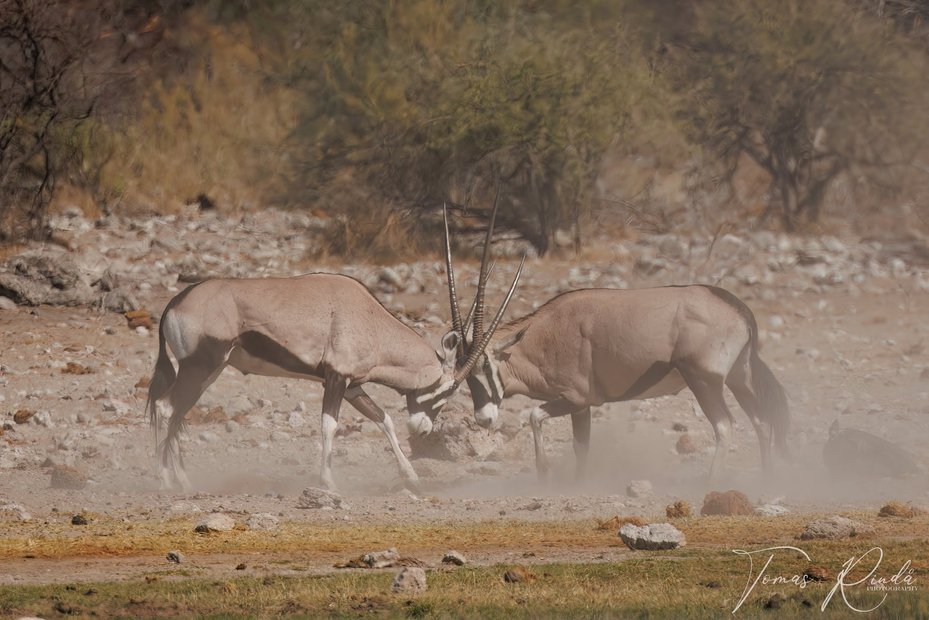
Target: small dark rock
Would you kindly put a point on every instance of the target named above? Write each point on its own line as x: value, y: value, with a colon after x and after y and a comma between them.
x: 78, y: 520
x: 175, y: 556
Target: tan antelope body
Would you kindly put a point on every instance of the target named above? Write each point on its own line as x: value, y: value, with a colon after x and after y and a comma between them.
x: 324, y: 327
x: 593, y: 346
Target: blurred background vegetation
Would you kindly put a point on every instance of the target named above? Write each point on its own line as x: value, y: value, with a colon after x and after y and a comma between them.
x: 583, y: 118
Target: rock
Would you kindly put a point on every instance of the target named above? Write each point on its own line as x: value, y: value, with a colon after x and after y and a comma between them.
x: 456, y: 438
x: 45, y: 277
x: 314, y: 497
x: 834, y: 528
x: 639, y: 489
x: 215, y: 522
x: 728, y: 503
x: 410, y: 580
x: 22, y: 416
x: 262, y: 521
x: 381, y: 559
x: 79, y: 520
x: 15, y: 511
x: 850, y: 453
x: 454, y: 557
x: 7, y: 304
x: 685, y: 445
x: 241, y: 566
x: 678, y: 510
x: 175, y: 556
x: 44, y: 419
x: 64, y: 477
x: 518, y: 575
x: 139, y: 318
x: 678, y: 427
x: 655, y: 536
x: 208, y: 437
x: 184, y: 507
x: 897, y: 509
x: 771, y: 510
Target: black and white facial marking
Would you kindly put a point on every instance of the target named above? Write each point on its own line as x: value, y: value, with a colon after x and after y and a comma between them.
x: 424, y: 406
x: 486, y: 391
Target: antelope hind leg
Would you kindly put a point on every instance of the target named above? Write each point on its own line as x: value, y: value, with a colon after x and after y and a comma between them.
x: 192, y: 379
x: 332, y: 402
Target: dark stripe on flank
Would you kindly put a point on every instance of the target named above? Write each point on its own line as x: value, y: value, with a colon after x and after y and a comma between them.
x: 264, y: 348
x: 649, y: 379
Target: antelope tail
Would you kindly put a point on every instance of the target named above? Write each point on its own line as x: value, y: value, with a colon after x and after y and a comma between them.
x: 772, y: 398
x: 162, y: 379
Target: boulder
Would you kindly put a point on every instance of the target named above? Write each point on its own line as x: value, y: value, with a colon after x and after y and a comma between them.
x: 851, y: 453
x: 314, y: 497
x: 834, y: 528
x: 215, y: 522
x: 410, y: 580
x: 456, y: 438
x: 639, y: 489
x: 454, y: 557
x: 655, y: 536
x: 728, y: 503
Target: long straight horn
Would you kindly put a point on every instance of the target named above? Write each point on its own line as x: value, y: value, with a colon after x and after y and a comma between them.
x: 477, y: 348
x: 482, y: 280
x: 469, y: 320
x: 452, y: 294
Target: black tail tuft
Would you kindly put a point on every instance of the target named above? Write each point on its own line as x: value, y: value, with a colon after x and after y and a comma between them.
x: 773, y: 399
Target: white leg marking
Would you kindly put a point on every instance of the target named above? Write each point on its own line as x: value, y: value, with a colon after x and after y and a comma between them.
x: 723, y: 430
x: 538, y: 416
x: 329, y: 425
x: 406, y: 469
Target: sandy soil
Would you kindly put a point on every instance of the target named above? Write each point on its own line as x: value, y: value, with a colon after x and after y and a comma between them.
x: 858, y: 355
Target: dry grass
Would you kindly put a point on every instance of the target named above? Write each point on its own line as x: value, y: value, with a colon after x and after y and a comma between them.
x: 694, y: 585
x: 107, y: 537
x: 703, y: 579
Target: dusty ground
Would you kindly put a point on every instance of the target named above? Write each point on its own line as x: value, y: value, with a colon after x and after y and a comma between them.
x: 855, y: 350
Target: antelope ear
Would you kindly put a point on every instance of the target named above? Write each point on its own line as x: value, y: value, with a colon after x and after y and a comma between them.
x: 509, y: 342
x: 450, y: 346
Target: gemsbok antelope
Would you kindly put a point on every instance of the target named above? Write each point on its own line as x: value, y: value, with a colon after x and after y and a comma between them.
x: 592, y: 346
x: 324, y: 327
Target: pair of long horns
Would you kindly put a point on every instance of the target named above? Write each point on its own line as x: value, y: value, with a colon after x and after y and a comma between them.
x: 479, y: 338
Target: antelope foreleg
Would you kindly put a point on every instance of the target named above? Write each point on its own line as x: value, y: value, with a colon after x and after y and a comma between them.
x: 368, y: 408
x: 554, y: 409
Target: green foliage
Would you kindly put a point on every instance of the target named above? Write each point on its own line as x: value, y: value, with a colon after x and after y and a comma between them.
x: 376, y: 112
x: 809, y: 89
x: 433, y: 101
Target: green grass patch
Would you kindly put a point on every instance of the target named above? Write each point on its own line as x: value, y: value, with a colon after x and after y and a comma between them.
x: 693, y: 583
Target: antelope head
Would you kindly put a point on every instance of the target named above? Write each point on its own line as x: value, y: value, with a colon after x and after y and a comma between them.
x: 464, y: 360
